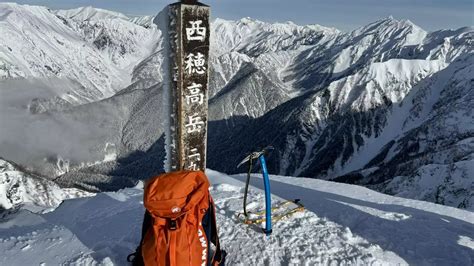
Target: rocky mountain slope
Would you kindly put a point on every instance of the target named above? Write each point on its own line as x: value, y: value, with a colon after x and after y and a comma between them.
x: 19, y: 189
x: 388, y: 105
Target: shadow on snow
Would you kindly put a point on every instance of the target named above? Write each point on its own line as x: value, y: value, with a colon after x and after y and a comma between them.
x: 423, y: 238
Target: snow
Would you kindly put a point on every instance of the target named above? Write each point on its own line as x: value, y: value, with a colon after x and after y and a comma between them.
x: 38, y: 44
x: 342, y: 224
x: 466, y: 241
x: 407, y: 73
x: 94, y: 48
x: 90, y: 13
x: 446, y: 184
x: 413, y: 230
x: 19, y: 189
x: 392, y: 77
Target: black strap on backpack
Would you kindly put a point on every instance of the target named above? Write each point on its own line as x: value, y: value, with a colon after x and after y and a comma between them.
x: 219, y: 256
x: 136, y: 258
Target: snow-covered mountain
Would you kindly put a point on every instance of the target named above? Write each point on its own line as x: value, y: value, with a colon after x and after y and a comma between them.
x: 386, y: 102
x: 341, y: 224
x: 29, y: 191
x: 94, y: 51
x: 388, y: 105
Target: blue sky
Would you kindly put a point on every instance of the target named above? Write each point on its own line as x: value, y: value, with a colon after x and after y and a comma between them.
x: 342, y: 14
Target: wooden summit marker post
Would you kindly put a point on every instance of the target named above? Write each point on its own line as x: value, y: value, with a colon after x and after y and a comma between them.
x: 189, y: 33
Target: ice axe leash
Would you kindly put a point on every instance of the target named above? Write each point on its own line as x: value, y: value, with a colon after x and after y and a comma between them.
x: 260, y: 155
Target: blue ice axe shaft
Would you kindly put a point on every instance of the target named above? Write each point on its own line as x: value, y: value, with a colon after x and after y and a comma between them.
x: 268, y: 199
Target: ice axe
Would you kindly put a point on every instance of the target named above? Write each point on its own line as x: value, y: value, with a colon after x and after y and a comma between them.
x: 266, y: 183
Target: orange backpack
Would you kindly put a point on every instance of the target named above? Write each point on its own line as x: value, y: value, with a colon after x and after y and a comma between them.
x: 181, y: 222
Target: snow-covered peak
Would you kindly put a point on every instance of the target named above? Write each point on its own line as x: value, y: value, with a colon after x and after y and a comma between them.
x: 254, y: 37
x: 389, y: 21
x: 328, y: 30
x: 389, y: 27
x: 93, y: 48
x: 90, y: 13
x: 16, y: 6
x: 249, y: 20
x: 14, y: 13
x: 288, y: 27
x: 36, y: 43
x: 145, y: 21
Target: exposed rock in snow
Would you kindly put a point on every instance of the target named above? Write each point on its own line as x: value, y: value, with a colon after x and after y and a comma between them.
x: 449, y: 184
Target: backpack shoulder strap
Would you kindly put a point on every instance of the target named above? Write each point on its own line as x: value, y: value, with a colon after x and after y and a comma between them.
x: 147, y: 223
x: 219, y: 255
x: 136, y: 258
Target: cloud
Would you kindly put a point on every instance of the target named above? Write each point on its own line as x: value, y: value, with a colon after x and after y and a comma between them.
x: 31, y: 139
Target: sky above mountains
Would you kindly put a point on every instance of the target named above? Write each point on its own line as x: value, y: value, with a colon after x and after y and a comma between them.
x: 342, y: 14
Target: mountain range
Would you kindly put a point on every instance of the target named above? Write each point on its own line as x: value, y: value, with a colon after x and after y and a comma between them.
x: 388, y: 106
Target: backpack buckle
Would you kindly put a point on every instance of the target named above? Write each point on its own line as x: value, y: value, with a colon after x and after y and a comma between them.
x: 172, y: 225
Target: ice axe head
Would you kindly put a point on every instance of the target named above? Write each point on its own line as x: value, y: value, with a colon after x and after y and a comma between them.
x: 255, y: 155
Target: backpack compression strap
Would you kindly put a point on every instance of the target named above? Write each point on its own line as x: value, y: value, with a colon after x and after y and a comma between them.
x: 219, y: 255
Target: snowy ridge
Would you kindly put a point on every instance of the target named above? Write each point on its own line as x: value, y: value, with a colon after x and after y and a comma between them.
x: 122, y: 41
x: 342, y: 224
x: 90, y: 13
x: 254, y: 37
x: 145, y: 21
x: 94, y: 48
x: 38, y: 44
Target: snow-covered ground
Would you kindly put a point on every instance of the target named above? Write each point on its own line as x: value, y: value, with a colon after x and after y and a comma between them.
x: 342, y: 224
